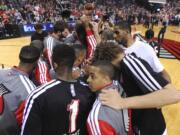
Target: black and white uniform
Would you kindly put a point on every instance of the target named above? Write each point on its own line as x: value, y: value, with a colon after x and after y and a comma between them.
x: 138, y: 78
x: 58, y: 108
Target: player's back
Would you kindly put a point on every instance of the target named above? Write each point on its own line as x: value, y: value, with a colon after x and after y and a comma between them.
x: 62, y: 109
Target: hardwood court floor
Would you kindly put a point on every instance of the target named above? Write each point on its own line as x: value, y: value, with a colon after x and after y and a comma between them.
x: 9, y: 50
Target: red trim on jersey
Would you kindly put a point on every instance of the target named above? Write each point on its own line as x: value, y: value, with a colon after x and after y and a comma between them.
x: 130, y: 132
x: 1, y: 105
x: 91, y: 43
x: 19, y: 113
x: 88, y: 129
x: 105, y: 128
x: 2, y: 92
x: 42, y: 73
x: 47, y: 54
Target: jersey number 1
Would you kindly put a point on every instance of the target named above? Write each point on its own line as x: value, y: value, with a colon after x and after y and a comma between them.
x: 73, y: 107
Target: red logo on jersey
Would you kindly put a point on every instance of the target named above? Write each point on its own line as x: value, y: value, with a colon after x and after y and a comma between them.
x: 3, y: 90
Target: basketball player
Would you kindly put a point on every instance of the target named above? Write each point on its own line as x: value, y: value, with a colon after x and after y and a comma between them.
x: 107, y: 121
x: 61, y: 106
x: 146, y: 89
x: 52, y: 40
x: 41, y: 73
x: 139, y: 47
x: 15, y: 86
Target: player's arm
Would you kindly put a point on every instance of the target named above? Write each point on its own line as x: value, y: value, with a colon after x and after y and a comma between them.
x: 158, y: 66
x: 103, y: 127
x: 91, y: 43
x: 42, y: 73
x: 167, y: 95
x: 32, y: 119
x: 160, y: 91
x: 95, y: 32
x: 165, y: 74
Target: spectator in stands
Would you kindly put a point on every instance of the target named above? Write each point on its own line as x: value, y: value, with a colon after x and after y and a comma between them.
x: 39, y: 34
x: 15, y: 86
x: 105, y: 24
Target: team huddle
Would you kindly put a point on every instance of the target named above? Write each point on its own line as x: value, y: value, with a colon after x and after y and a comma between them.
x: 85, y: 81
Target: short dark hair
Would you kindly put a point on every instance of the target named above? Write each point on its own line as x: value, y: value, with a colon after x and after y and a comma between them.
x: 106, y: 68
x: 107, y: 35
x: 63, y: 55
x: 124, y: 25
x: 107, y: 51
x: 149, y: 34
x: 59, y: 26
x: 38, y: 44
x: 29, y: 54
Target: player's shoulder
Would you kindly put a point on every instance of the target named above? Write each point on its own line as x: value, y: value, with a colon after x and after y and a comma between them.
x: 8, y: 74
x: 81, y: 81
x: 43, y: 89
x: 82, y: 86
x: 133, y: 59
x: 144, y: 46
x: 47, y: 39
x: 4, y: 71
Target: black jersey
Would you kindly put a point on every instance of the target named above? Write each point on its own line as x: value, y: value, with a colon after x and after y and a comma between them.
x: 58, y: 108
x: 138, y: 78
x: 39, y: 36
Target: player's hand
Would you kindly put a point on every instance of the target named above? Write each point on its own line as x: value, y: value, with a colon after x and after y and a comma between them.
x: 94, y: 26
x: 86, y: 20
x: 111, y: 98
x: 85, y: 68
x: 76, y: 73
